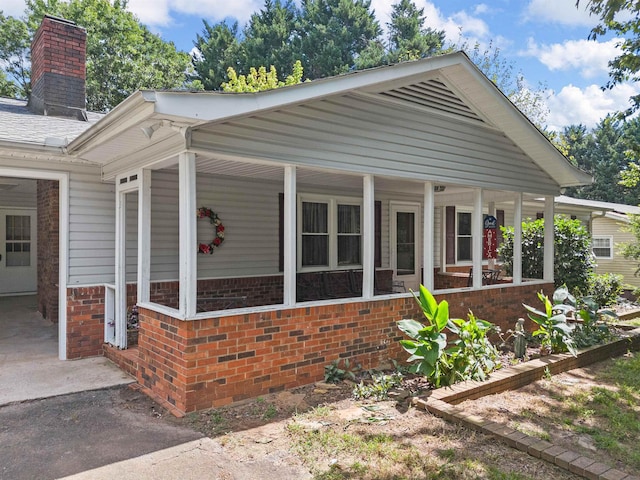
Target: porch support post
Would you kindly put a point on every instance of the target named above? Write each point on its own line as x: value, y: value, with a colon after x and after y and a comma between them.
x: 427, y: 237
x: 144, y: 236
x: 368, y: 233
x: 549, y: 231
x: 120, y: 273
x: 188, y: 233
x: 517, y: 240
x: 476, y: 229
x: 290, y: 260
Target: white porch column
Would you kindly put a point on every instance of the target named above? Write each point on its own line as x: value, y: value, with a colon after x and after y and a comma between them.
x: 290, y: 260
x: 188, y: 233
x: 144, y: 235
x: 121, y: 270
x: 368, y: 234
x: 517, y: 240
x: 549, y: 231
x: 427, y: 237
x: 477, y: 233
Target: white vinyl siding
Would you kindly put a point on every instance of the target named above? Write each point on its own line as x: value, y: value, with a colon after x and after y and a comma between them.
x: 359, y: 134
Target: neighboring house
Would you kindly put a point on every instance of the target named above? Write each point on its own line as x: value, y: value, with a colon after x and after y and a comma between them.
x: 336, y: 197
x: 608, y: 224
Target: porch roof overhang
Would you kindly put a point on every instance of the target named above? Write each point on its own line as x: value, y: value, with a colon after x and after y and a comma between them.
x: 151, y: 126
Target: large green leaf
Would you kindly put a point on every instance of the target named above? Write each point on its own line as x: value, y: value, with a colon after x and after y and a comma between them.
x: 410, y: 327
x: 442, y: 315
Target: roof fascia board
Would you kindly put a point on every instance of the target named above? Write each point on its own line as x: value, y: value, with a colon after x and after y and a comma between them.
x: 133, y: 110
x: 207, y: 107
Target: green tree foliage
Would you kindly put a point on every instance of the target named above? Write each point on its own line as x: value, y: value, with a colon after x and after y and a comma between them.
x: 605, y: 152
x: 530, y: 100
x: 122, y: 55
x: 332, y: 33
x: 218, y: 49
x: 573, y: 260
x: 621, y: 17
x: 260, y: 79
x: 269, y: 36
x: 14, y: 44
x: 408, y: 39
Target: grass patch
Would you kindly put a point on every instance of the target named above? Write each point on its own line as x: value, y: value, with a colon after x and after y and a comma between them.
x: 610, y: 413
x: 634, y: 322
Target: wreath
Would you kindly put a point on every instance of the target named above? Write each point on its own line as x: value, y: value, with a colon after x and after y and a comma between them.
x: 204, y: 212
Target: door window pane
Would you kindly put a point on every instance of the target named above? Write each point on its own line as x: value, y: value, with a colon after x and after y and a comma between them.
x: 18, y: 238
x: 405, y: 243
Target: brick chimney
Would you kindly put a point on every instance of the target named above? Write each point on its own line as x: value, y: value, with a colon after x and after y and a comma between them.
x: 58, y: 56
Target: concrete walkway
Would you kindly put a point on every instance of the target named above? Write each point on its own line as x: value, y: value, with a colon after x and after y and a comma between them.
x: 29, y: 365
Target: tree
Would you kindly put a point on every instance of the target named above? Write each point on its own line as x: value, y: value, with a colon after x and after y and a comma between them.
x: 260, y: 79
x: 218, y: 49
x: 605, y: 152
x: 529, y: 100
x: 122, y: 55
x: 621, y: 17
x: 573, y: 260
x: 408, y: 39
x: 269, y: 37
x: 14, y: 43
x: 631, y: 250
x: 332, y: 33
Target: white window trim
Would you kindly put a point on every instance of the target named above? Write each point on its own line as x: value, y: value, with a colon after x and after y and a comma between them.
x: 602, y: 237
x: 332, y: 226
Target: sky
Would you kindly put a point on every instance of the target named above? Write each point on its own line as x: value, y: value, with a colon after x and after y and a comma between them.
x: 544, y: 39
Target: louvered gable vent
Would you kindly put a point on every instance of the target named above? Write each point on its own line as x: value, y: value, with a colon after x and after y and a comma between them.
x: 434, y: 95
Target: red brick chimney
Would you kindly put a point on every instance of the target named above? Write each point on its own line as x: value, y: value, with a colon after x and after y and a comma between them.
x: 58, y: 56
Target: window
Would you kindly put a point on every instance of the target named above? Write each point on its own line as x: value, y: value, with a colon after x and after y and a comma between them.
x: 18, y: 240
x: 464, y: 238
x: 603, y: 247
x: 330, y: 232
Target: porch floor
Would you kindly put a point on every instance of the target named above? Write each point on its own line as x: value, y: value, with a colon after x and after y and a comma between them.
x: 29, y: 365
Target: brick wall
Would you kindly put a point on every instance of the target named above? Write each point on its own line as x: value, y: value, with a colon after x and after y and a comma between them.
x: 85, y: 321
x: 198, y: 364
x: 58, y: 58
x: 48, y: 247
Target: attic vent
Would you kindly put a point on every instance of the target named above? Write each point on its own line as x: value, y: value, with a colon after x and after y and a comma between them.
x: 435, y: 95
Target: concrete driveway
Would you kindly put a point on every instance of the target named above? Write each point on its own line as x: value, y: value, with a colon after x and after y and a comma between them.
x: 29, y: 365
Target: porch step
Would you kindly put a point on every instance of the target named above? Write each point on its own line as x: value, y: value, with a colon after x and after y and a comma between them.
x: 127, y: 359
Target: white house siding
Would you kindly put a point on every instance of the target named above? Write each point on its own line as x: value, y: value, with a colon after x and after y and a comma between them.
x: 91, y: 218
x: 358, y: 134
x: 619, y: 264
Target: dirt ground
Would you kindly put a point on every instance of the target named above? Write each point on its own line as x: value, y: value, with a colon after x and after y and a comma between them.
x: 304, y: 421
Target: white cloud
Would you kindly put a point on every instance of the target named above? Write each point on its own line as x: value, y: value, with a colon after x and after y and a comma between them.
x: 590, y: 58
x: 158, y: 12
x: 13, y: 8
x: 563, y: 12
x: 480, y: 9
x: 589, y: 105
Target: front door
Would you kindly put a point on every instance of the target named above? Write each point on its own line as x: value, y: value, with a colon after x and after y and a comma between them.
x: 17, y: 251
x: 405, y: 244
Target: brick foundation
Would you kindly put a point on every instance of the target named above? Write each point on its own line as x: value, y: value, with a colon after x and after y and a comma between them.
x: 85, y: 321
x: 48, y: 247
x: 194, y: 365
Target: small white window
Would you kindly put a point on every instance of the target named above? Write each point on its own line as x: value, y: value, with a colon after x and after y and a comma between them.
x: 603, y: 247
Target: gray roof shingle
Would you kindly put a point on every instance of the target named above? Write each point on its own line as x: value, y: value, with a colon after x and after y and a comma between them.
x: 19, y: 124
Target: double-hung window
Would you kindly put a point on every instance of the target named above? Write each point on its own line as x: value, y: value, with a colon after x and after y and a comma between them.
x: 603, y: 247
x: 330, y: 232
x: 464, y: 237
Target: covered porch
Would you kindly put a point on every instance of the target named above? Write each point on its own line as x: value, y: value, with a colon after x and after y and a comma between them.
x: 336, y: 199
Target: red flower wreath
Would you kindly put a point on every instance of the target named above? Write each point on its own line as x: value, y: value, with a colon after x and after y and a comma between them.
x: 215, y: 220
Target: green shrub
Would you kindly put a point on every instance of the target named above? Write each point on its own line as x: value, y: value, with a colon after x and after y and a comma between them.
x: 553, y: 330
x: 606, y: 288
x: 573, y: 260
x: 469, y: 357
